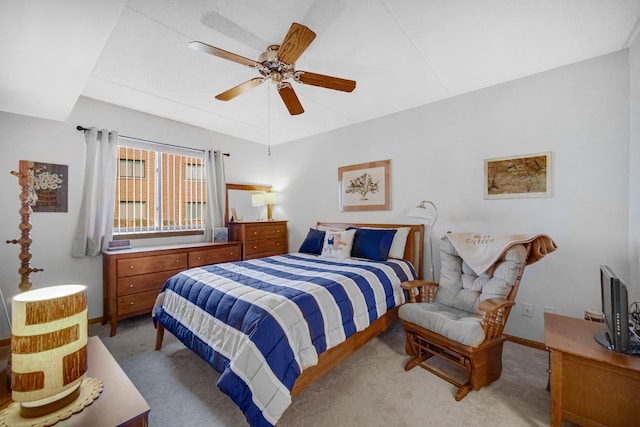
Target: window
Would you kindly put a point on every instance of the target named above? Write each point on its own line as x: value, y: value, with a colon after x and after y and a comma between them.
x: 130, y: 168
x: 194, y: 172
x: 159, y: 189
x: 195, y: 211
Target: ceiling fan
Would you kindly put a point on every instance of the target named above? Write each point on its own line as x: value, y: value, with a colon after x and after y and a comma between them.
x: 277, y: 64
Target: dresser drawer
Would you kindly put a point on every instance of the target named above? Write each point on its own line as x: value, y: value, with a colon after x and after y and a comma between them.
x: 139, y: 302
x: 214, y: 256
x: 151, y: 264
x: 265, y: 246
x: 265, y: 231
x: 143, y: 282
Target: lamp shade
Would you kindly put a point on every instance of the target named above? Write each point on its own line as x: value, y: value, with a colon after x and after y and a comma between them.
x: 49, y: 348
x: 257, y: 199
x: 270, y: 198
x: 426, y: 211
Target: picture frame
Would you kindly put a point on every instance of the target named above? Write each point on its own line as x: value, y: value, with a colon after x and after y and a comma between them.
x: 365, y: 186
x: 518, y: 177
x: 50, y: 187
x: 220, y: 234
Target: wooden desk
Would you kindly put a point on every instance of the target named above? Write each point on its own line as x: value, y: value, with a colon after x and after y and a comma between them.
x: 120, y: 403
x: 590, y: 385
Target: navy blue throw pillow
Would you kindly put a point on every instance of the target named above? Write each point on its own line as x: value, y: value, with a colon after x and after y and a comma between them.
x: 372, y: 244
x: 313, y: 242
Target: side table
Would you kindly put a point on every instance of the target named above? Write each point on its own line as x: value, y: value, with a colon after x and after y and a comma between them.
x: 119, y: 404
x: 590, y: 385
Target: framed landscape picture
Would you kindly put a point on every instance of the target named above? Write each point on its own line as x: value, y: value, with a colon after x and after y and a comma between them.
x: 365, y: 187
x: 521, y: 176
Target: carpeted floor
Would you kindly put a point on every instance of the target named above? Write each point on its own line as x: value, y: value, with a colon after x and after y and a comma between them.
x: 370, y: 388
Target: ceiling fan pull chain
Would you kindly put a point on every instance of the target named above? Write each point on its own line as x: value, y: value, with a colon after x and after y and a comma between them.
x: 269, y: 120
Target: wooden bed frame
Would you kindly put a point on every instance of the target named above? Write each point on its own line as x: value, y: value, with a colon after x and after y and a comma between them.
x: 413, y: 253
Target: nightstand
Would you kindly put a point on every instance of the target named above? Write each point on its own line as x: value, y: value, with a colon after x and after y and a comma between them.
x: 119, y: 404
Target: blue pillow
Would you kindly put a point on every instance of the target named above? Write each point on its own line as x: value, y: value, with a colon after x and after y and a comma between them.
x: 372, y: 244
x: 313, y: 242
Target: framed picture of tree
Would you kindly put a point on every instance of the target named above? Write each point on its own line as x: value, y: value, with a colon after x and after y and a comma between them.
x: 365, y: 187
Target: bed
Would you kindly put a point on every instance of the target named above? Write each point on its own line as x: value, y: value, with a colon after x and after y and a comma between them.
x: 272, y: 326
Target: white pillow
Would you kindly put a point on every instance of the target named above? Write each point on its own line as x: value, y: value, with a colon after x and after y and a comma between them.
x: 399, y: 241
x: 337, y: 244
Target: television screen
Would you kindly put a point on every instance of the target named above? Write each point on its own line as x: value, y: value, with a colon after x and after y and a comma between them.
x: 615, y: 309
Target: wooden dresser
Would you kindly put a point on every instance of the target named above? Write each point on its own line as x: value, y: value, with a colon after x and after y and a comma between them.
x: 133, y: 277
x: 260, y: 238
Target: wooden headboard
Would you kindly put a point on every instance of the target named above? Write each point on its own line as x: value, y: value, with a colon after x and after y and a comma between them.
x: 413, y: 250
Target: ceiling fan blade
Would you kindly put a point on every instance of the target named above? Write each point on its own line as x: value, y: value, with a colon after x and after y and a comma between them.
x: 321, y: 80
x: 290, y: 98
x: 295, y: 42
x: 212, y: 50
x: 240, y: 89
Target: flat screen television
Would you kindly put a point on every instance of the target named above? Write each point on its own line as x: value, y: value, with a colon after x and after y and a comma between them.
x: 615, y: 308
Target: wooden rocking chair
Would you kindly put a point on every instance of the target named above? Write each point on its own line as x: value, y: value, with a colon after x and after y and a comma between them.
x: 462, y: 318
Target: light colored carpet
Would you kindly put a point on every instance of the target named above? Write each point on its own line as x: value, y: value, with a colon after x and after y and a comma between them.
x: 370, y: 388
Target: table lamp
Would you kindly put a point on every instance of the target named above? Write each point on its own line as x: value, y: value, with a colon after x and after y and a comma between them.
x: 258, y: 200
x: 49, y: 351
x: 270, y: 199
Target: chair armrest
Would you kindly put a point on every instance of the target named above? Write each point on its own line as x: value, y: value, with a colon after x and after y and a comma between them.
x: 411, y: 285
x: 496, y: 311
x: 492, y: 304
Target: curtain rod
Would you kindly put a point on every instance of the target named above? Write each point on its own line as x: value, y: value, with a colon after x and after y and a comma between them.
x: 82, y: 128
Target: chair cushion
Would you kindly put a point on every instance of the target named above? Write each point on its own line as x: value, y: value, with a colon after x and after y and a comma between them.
x: 462, y: 289
x: 457, y: 325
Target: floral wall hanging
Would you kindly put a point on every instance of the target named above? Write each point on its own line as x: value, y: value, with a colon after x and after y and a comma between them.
x: 50, y: 187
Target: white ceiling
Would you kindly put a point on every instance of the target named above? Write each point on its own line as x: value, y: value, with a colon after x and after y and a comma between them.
x: 402, y: 53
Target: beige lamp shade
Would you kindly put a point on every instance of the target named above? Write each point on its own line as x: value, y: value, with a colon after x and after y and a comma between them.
x: 49, y: 347
x: 270, y: 198
x: 257, y: 199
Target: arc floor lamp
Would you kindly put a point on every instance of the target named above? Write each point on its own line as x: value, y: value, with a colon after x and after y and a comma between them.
x: 428, y: 213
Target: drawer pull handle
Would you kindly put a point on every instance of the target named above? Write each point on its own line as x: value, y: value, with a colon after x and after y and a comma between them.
x: 131, y: 266
x: 255, y: 247
x: 131, y: 286
x: 255, y: 232
x: 198, y: 258
x: 277, y: 244
x: 131, y: 303
x: 177, y: 261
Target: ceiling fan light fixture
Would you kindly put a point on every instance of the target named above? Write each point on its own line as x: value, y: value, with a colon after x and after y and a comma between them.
x: 277, y: 64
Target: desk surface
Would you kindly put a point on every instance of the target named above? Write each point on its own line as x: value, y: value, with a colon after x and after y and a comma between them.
x: 575, y: 336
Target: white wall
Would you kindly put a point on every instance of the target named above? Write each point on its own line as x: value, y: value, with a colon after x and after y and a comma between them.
x: 28, y: 138
x: 634, y: 171
x: 580, y: 113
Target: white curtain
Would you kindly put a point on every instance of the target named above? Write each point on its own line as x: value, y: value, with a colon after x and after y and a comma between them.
x: 216, y: 192
x: 95, y: 224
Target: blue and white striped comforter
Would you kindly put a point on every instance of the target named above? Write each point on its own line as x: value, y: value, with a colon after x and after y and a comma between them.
x: 261, y: 322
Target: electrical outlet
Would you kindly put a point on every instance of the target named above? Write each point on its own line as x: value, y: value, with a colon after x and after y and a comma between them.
x: 527, y: 310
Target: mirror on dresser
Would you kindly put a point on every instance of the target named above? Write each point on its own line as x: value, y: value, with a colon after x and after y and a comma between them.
x: 239, y: 198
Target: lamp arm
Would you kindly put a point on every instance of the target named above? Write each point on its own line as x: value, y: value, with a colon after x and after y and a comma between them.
x: 435, y: 210
x: 435, y: 218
